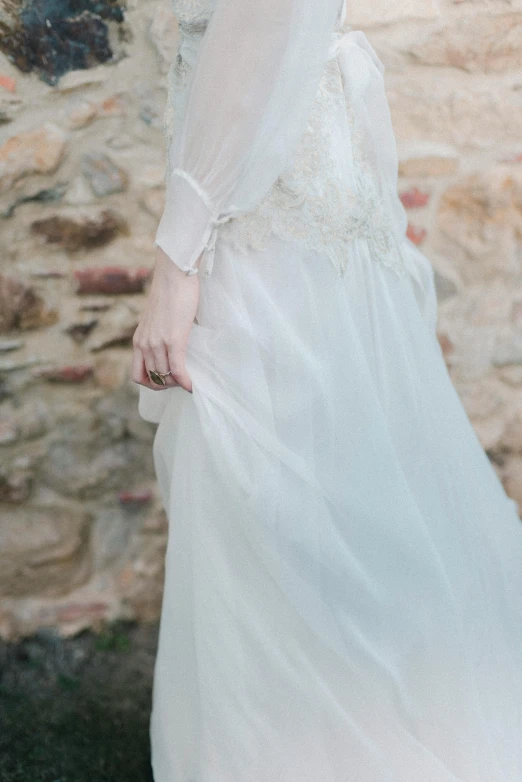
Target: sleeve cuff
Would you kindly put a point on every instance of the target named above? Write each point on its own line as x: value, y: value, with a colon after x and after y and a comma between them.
x: 187, y: 221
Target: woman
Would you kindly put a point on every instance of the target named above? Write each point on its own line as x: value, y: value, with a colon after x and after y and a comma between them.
x: 343, y: 592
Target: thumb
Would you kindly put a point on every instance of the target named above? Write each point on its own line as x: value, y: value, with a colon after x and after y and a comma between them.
x: 183, y: 379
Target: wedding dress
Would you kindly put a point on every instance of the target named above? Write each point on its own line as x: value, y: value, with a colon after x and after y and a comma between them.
x: 343, y: 589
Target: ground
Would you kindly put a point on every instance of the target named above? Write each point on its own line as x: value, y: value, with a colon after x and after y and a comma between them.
x: 77, y: 709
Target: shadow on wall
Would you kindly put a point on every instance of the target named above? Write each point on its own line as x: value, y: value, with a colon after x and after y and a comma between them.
x: 53, y: 37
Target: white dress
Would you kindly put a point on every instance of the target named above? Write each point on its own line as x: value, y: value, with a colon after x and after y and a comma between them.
x: 343, y: 591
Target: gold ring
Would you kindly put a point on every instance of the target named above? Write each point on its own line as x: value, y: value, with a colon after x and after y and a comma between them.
x: 158, y: 377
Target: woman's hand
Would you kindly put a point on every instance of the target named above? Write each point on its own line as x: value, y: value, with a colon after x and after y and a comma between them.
x: 161, y: 337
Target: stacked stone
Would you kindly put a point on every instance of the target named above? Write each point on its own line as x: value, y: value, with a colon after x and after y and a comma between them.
x: 82, y: 533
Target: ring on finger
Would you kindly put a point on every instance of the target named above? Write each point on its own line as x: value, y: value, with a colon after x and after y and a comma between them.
x: 158, y: 377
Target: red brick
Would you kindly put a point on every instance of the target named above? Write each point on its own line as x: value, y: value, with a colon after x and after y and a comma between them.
x: 416, y: 234
x: 73, y: 373
x: 111, y: 280
x: 135, y: 497
x: 414, y: 198
x: 8, y: 83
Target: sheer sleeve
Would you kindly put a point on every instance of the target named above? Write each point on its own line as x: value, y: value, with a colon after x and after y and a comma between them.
x: 253, y: 84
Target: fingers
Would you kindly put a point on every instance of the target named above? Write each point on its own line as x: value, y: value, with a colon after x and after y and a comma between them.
x: 139, y: 373
x: 143, y: 360
x: 156, y: 359
x: 162, y: 359
x: 176, y: 358
x: 161, y: 338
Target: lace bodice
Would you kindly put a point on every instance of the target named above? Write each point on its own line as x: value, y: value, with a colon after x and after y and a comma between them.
x: 190, y: 11
x: 331, y: 192
x: 313, y: 202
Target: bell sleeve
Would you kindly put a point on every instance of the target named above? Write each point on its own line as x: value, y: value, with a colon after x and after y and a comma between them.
x: 250, y: 93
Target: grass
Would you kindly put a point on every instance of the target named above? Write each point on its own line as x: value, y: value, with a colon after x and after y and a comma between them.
x: 77, y: 709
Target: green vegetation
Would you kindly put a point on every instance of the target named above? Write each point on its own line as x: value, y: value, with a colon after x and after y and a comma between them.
x: 77, y: 710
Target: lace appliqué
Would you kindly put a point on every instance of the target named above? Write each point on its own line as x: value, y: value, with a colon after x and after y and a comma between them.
x: 176, y: 82
x: 193, y: 18
x: 377, y: 227
x: 188, y: 11
x: 311, y: 203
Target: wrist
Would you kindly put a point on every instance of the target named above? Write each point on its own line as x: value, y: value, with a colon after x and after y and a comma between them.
x: 165, y: 264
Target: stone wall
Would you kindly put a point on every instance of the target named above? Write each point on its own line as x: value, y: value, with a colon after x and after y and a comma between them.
x: 82, y: 532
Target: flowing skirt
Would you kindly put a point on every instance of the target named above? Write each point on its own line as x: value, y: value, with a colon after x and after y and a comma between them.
x: 343, y: 591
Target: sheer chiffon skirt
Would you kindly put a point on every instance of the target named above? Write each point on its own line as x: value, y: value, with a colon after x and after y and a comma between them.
x: 343, y: 592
